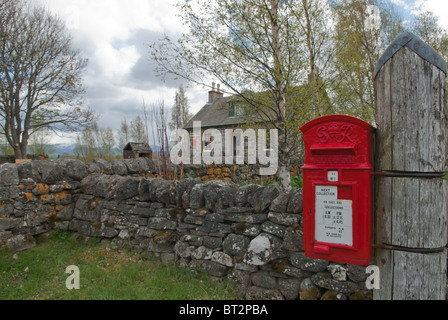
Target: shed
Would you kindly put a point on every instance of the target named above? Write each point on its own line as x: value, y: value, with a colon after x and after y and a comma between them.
x: 137, y: 150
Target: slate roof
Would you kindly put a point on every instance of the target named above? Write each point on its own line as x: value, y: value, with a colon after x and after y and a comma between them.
x: 215, y: 115
x: 138, y: 147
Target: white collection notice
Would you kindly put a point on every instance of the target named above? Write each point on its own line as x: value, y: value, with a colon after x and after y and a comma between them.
x: 334, y: 217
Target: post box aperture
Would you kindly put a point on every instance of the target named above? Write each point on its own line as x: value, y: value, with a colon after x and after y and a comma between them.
x: 337, y: 189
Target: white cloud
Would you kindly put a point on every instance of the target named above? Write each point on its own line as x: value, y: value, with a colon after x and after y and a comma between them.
x: 438, y: 7
x: 112, y: 34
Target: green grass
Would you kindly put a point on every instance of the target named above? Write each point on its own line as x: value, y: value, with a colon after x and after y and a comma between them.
x: 105, y: 274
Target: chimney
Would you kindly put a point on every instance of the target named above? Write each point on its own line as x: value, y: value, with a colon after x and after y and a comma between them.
x: 215, y: 93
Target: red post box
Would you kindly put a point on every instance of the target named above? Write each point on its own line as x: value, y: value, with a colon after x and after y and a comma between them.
x: 338, y: 189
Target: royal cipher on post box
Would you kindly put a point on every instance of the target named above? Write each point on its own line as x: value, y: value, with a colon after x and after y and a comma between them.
x: 337, y: 189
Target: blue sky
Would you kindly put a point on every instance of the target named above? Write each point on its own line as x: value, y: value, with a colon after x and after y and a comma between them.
x: 113, y: 35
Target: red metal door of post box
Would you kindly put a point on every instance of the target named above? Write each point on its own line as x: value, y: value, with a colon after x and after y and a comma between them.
x: 337, y: 189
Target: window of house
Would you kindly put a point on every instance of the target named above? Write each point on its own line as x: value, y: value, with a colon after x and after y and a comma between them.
x: 207, y: 141
x: 236, y: 111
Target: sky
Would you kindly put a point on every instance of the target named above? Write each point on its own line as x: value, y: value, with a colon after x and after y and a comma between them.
x: 114, y: 36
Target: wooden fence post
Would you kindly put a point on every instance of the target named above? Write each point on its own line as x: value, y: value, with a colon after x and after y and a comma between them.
x: 410, y: 161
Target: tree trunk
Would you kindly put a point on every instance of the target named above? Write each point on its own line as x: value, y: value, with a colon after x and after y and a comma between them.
x: 280, y: 89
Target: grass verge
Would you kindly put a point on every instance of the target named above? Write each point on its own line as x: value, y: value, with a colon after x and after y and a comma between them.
x: 105, y: 274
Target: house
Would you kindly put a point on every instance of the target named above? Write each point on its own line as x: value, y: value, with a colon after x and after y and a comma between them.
x: 222, y: 113
x: 137, y: 150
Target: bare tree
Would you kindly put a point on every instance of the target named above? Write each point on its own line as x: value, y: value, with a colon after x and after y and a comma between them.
x: 40, y: 75
x: 156, y: 118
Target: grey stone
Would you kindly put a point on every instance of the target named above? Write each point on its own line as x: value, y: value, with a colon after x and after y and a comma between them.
x: 247, y: 229
x: 197, y: 199
x: 88, y: 210
x: 202, y: 253
x: 289, y: 288
x: 261, y: 199
x: 257, y: 293
x: 293, y: 239
x: 126, y: 188
x: 183, y: 192
x: 119, y: 167
x: 280, y: 204
x: 299, y: 260
x: 236, y: 245
x: 26, y: 170
x: 50, y: 172
x: 88, y: 184
x: 240, y: 280
x: 9, y: 223
x: 104, y: 166
x: 261, y: 250
x: 325, y: 280
x: 213, y: 227
x: 161, y: 224
x: 309, y: 291
x: 295, y: 204
x: 73, y: 169
x: 222, y: 258
x: 9, y: 174
x: 137, y: 166
x: 21, y: 242
x: 296, y: 272
x: 183, y: 250
x: 264, y: 280
x: 272, y: 228
x: 226, y: 196
x: 214, y: 217
x: 6, y: 210
x: 239, y: 210
x: 162, y: 191
x: 143, y: 190
x: 212, y: 242
x: 337, y: 271
x: 105, y: 186
x: 212, y: 268
x: 285, y: 219
x: 242, y: 194
x: 247, y: 218
x: 356, y: 273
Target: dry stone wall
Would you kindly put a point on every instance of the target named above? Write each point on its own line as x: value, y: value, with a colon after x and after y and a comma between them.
x: 251, y: 235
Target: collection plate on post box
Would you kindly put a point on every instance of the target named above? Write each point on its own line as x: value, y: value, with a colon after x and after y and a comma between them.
x: 334, y: 217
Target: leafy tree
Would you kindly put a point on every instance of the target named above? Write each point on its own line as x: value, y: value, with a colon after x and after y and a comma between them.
x: 40, y: 75
x: 262, y: 51
x: 138, y: 131
x: 364, y: 28
x: 95, y: 143
x: 85, y: 148
x: 40, y: 143
x: 426, y: 26
x: 123, y: 134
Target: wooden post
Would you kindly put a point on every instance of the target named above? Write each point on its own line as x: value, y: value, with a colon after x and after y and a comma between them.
x: 410, y: 161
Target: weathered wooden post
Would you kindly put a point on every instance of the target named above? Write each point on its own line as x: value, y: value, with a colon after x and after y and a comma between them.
x: 410, y: 161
